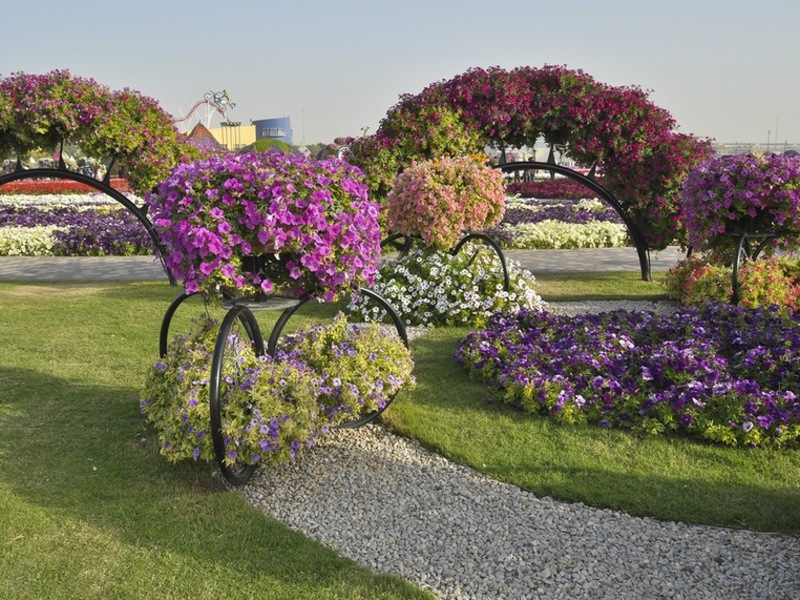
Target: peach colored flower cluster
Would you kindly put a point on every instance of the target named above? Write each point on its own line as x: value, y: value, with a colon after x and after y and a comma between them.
x: 440, y: 199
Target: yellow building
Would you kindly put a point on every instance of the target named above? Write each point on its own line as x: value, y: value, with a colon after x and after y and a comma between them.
x: 234, y: 136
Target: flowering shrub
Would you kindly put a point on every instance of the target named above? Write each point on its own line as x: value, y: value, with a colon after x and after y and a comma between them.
x: 700, y: 279
x: 440, y: 199
x: 312, y: 219
x: 644, y: 160
x: 39, y: 111
x: 272, y: 409
x: 721, y: 373
x: 746, y: 192
x: 434, y: 288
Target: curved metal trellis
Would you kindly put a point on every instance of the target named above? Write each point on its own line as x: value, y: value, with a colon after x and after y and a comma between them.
x: 638, y: 239
x: 103, y: 186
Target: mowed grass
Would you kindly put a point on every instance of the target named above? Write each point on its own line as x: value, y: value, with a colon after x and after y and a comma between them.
x: 90, y: 509
x: 567, y: 287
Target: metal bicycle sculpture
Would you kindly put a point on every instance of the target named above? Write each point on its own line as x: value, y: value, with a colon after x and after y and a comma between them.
x: 241, y: 311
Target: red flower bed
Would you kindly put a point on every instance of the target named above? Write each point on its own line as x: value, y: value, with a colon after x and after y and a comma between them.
x: 56, y: 186
x: 561, y: 189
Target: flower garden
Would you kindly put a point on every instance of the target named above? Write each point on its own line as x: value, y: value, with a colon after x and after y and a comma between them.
x: 255, y: 225
x: 554, y: 217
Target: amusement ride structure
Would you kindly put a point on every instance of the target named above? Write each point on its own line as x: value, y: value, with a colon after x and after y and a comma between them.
x: 212, y: 102
x: 202, y: 112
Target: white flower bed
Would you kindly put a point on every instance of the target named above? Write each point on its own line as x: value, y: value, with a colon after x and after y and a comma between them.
x: 52, y: 201
x: 27, y: 241
x: 559, y: 235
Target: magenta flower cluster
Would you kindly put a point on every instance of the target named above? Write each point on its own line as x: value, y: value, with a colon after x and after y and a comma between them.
x: 41, y: 111
x: 721, y: 373
x: 560, y: 189
x: 743, y: 193
x: 644, y: 159
x: 312, y: 220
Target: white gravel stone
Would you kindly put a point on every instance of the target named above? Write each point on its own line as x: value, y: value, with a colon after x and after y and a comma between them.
x: 394, y: 507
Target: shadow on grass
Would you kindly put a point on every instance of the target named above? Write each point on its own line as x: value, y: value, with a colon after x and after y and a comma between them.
x: 663, y: 477
x: 81, y: 452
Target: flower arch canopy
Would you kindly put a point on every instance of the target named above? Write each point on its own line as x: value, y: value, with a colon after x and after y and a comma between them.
x: 41, y: 111
x: 644, y: 160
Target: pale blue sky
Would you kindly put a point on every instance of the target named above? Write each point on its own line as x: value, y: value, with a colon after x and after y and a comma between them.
x: 725, y: 69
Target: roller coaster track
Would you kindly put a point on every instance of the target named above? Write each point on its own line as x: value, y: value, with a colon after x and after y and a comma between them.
x: 216, y: 100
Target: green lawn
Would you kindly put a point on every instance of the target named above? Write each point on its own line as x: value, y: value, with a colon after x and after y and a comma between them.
x: 563, y: 287
x: 90, y: 509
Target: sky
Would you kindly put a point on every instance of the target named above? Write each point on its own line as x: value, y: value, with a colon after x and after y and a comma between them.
x: 725, y: 69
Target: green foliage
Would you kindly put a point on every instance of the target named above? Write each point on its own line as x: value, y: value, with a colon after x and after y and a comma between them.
x: 268, y: 145
x: 411, y: 132
x: 272, y: 408
x: 704, y: 278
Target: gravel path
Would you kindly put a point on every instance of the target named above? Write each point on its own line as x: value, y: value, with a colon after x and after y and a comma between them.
x: 394, y: 507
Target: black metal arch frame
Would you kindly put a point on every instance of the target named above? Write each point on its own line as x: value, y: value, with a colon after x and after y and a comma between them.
x: 103, y: 186
x: 639, y: 242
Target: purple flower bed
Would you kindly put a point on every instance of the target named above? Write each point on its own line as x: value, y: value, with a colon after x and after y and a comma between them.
x: 116, y: 232
x: 568, y: 211
x: 720, y: 373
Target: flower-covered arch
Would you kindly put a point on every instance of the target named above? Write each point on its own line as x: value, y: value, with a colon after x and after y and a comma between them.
x: 643, y: 158
x: 44, y: 112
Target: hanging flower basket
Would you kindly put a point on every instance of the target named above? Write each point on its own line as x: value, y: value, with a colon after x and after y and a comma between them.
x: 747, y: 193
x: 242, y: 225
x: 439, y: 200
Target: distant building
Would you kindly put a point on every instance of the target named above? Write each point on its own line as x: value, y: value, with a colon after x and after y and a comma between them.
x: 235, y: 136
x: 746, y: 147
x: 279, y: 129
